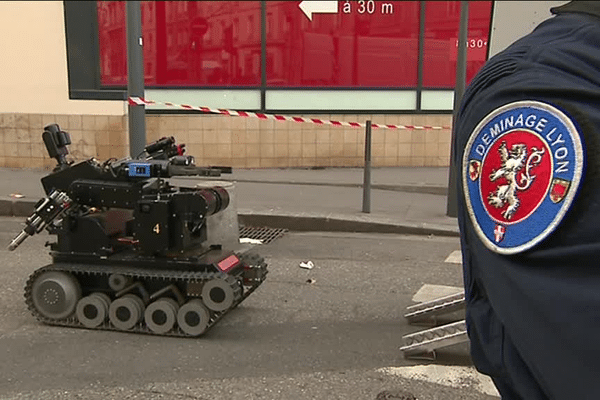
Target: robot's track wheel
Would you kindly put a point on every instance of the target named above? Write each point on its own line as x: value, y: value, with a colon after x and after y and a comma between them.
x: 92, y: 310
x: 220, y: 294
x: 161, y: 315
x: 193, y: 318
x: 125, y: 312
x: 55, y: 294
x: 118, y: 282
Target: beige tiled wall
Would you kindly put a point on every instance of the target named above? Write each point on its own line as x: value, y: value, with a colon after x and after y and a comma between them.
x: 238, y: 142
x: 21, y: 143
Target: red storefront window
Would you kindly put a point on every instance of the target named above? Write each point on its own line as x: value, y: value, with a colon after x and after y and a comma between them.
x: 112, y: 39
x: 442, y: 20
x: 364, y: 44
x: 186, y: 43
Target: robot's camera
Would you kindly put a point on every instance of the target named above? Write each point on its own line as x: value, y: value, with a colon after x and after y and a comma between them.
x: 164, y: 148
x: 183, y: 160
x: 160, y: 145
x: 56, y: 142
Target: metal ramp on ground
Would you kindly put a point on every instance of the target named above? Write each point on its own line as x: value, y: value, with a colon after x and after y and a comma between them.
x: 424, y: 343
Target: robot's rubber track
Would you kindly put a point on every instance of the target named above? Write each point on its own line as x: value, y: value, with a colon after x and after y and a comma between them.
x: 139, y: 273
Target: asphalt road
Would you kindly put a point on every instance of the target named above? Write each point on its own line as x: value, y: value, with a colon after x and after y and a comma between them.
x: 289, y: 340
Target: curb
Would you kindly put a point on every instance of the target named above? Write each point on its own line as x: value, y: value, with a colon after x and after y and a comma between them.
x: 330, y: 224
x: 16, y: 207
x: 298, y: 223
x: 415, y: 188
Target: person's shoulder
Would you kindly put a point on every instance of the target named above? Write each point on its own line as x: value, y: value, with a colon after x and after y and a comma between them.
x: 591, y: 8
x: 562, y: 53
x: 532, y: 109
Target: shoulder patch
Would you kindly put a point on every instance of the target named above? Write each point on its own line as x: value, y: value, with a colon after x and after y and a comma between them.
x: 522, y: 167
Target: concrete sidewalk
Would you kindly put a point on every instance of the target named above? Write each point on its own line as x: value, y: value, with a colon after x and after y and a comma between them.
x: 403, y: 200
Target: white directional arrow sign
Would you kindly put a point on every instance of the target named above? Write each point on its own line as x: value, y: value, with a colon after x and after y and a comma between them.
x: 318, y: 7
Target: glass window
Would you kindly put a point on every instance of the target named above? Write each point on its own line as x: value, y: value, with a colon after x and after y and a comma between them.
x: 442, y: 20
x: 372, y: 45
x: 194, y: 43
x: 369, y: 44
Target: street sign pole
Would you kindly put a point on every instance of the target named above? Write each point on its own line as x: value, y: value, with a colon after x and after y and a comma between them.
x: 461, y: 77
x: 135, y: 78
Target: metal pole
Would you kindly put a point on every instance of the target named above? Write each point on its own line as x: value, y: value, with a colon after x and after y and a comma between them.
x: 367, y: 177
x: 135, y: 78
x: 420, y: 58
x: 461, y: 77
x: 263, y: 56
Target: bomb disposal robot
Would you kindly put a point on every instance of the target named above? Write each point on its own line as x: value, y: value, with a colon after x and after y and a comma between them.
x: 130, y: 251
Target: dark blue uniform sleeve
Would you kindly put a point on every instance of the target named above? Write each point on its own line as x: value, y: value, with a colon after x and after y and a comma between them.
x: 534, y: 316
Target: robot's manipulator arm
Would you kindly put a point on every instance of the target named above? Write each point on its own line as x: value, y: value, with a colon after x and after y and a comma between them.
x: 46, y: 211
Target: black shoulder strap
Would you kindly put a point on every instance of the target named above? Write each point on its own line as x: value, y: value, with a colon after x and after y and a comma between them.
x: 586, y: 7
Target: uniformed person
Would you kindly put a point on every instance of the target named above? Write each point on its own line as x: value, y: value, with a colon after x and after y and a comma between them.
x: 528, y: 156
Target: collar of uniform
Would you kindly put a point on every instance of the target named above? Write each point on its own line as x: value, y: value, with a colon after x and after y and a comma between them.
x: 586, y: 7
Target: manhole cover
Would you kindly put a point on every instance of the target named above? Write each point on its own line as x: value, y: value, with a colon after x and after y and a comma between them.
x: 265, y: 235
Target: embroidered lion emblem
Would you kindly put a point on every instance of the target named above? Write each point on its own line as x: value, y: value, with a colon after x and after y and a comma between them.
x: 513, y: 161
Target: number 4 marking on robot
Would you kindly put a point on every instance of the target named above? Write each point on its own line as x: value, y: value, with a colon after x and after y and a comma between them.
x: 156, y: 229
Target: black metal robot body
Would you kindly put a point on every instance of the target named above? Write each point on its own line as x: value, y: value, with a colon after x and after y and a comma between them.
x: 131, y: 249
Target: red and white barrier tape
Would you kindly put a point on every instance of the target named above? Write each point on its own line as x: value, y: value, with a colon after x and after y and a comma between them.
x: 141, y: 101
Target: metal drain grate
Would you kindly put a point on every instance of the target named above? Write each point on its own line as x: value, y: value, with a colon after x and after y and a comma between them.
x: 265, y: 235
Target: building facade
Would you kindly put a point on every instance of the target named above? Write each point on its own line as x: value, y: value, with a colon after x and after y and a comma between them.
x: 391, y: 62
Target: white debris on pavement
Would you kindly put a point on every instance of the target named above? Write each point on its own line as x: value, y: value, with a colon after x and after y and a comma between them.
x: 307, y: 265
x: 432, y: 292
x: 250, y: 241
x: 455, y: 257
x: 16, y: 195
x: 453, y: 376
